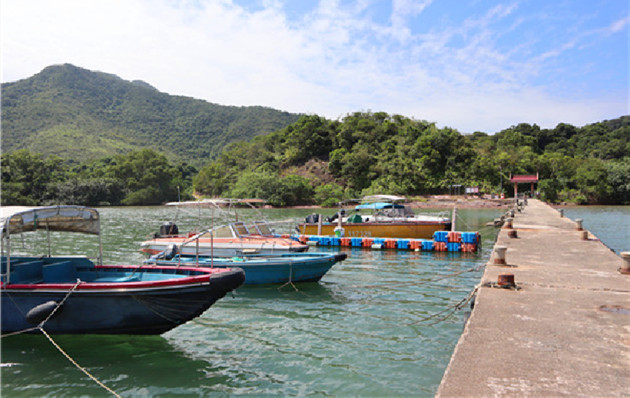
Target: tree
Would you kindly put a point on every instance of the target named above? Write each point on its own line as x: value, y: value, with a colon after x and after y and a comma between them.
x: 26, y: 177
x: 147, y: 176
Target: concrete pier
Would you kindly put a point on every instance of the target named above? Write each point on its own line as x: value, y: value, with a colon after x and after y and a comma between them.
x: 564, y: 330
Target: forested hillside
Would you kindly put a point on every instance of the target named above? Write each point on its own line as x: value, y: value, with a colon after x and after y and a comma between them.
x: 322, y: 161
x: 82, y: 115
x: 71, y: 136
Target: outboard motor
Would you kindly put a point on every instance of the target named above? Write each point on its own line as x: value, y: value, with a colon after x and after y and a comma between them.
x: 312, y: 219
x: 169, y: 228
x: 166, y: 254
x: 336, y: 215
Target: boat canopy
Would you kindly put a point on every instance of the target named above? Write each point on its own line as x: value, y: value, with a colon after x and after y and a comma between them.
x: 383, y: 198
x: 18, y: 219
x: 379, y: 206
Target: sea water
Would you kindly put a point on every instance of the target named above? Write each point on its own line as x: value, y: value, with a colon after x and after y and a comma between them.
x: 381, y: 323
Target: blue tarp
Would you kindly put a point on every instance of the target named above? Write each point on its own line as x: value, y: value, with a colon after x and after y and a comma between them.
x: 379, y: 206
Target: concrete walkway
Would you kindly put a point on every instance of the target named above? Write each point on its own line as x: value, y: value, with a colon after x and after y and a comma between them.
x: 564, y: 332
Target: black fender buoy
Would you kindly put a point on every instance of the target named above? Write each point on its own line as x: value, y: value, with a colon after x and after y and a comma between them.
x: 40, y: 312
x: 340, y: 256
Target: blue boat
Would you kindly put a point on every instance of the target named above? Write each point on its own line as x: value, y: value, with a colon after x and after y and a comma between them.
x: 73, y: 295
x: 261, y: 269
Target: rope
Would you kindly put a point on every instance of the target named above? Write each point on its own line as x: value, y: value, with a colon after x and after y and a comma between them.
x: 88, y: 374
x: 41, y: 324
x: 20, y: 332
x: 40, y: 327
x: 451, y: 275
x: 45, y: 320
x: 458, y: 306
x: 290, y: 278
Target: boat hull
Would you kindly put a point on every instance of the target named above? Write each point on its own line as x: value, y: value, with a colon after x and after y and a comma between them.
x: 224, y: 247
x: 115, y: 308
x: 306, y: 267
x: 379, y: 230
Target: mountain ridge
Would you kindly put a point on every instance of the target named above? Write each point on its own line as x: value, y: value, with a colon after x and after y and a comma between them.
x: 81, y: 115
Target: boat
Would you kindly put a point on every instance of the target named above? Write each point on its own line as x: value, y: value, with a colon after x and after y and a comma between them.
x: 72, y: 294
x: 260, y: 269
x: 376, y: 218
x: 229, y: 240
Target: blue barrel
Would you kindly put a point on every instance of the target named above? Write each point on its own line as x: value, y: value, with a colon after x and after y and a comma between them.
x: 378, y: 241
x: 440, y: 236
x: 315, y: 238
x: 356, y: 242
x: 324, y: 241
x: 469, y: 237
x: 454, y: 247
x: 335, y: 241
x: 402, y: 243
x: 427, y: 245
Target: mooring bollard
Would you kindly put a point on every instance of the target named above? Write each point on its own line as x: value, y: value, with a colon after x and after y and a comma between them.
x: 561, y: 213
x: 584, y: 235
x: 512, y: 234
x: 500, y: 255
x: 579, y: 224
x: 506, y: 280
x: 508, y: 223
x: 625, y: 266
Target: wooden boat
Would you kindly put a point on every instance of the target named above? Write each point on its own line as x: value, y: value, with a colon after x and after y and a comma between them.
x: 284, y: 268
x: 233, y: 239
x: 384, y: 220
x: 73, y: 295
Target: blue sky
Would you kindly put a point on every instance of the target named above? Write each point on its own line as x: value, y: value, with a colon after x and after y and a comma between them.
x: 474, y: 65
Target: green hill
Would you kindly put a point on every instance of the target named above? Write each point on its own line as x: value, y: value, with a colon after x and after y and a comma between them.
x: 81, y: 115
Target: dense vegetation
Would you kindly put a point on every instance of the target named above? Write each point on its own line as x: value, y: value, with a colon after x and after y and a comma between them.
x: 80, y: 115
x: 322, y: 161
x: 78, y: 137
x: 142, y: 177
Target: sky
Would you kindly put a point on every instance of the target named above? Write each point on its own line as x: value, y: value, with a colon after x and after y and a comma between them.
x: 472, y: 65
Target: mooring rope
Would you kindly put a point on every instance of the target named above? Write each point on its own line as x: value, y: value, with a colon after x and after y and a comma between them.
x: 437, y: 279
x: 69, y: 358
x: 41, y: 324
x: 40, y: 327
x: 458, y: 306
x: 47, y: 318
x: 290, y: 282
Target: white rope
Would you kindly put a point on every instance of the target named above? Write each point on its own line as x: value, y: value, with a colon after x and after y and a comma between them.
x: 290, y: 278
x: 40, y: 327
x: 88, y: 374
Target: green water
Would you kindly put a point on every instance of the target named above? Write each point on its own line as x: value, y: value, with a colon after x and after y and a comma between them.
x: 358, y: 332
x: 611, y: 224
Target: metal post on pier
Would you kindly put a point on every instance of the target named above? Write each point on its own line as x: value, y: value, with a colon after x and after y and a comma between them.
x: 319, y: 225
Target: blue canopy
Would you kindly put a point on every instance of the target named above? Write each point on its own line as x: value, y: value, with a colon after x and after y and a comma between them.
x: 379, y: 206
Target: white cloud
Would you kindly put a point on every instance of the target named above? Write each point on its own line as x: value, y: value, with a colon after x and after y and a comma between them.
x: 332, y: 61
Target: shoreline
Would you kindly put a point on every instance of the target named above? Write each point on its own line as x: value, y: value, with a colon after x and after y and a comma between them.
x: 438, y: 202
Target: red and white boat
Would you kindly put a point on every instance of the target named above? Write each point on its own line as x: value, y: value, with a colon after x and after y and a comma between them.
x: 233, y: 239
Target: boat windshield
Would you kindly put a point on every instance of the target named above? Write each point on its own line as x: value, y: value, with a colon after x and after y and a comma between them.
x: 397, y: 212
x: 240, y: 229
x: 220, y: 232
x: 262, y: 228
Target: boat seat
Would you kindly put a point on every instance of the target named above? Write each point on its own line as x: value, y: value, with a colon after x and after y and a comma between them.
x: 62, y: 272
x: 27, y: 272
x: 114, y: 279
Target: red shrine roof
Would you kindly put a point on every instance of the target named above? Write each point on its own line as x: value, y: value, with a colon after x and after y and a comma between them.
x: 524, y: 178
